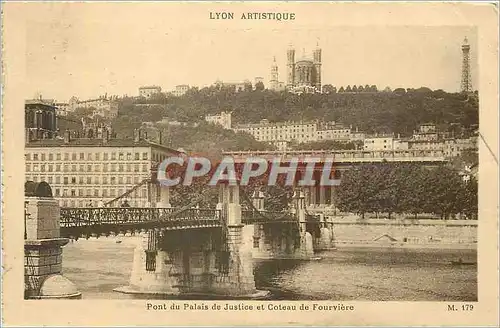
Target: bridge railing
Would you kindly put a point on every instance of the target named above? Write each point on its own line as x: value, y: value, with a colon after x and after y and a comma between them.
x: 82, y: 217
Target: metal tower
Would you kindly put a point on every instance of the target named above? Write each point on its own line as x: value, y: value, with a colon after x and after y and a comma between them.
x: 466, y: 85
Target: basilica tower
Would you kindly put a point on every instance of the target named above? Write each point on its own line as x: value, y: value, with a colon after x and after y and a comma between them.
x: 317, y: 66
x: 290, y: 65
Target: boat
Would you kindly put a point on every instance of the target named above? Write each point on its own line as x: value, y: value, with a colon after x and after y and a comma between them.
x: 118, y: 241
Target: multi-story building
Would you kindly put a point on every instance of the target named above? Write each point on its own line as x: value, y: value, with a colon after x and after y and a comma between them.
x: 104, y: 106
x: 238, y: 86
x: 329, y: 131
x: 379, y: 142
x: 286, y: 131
x: 426, y: 132
x: 223, y: 119
x: 149, y: 90
x: 40, y: 119
x: 92, y: 171
x: 180, y: 90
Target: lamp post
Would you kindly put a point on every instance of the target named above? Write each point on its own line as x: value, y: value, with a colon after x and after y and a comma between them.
x: 26, y: 216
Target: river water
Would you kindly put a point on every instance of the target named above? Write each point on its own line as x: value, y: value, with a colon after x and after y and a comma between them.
x: 97, y: 266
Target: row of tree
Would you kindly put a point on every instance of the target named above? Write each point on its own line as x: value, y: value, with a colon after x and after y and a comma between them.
x: 407, y: 189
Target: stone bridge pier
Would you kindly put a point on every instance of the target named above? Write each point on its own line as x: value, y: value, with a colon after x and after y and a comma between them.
x: 283, y: 240
x: 197, y: 261
x: 43, y: 277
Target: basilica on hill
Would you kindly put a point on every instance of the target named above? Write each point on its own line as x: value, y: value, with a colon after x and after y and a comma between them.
x: 303, y: 74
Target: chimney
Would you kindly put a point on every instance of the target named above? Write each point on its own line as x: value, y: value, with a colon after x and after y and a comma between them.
x: 105, y: 136
x: 160, y: 137
x: 137, y: 135
x: 67, y: 136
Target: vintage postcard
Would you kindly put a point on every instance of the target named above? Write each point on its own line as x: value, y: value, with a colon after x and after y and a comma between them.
x: 258, y: 163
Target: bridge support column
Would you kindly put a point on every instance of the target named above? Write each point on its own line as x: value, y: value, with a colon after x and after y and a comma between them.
x: 235, y: 278
x: 154, y: 271
x: 43, y: 251
x: 305, y: 248
x: 259, y: 237
x: 164, y: 201
x: 326, y: 234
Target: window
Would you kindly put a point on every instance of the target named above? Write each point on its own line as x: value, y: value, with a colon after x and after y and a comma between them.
x: 129, y: 156
x: 58, y: 179
x: 120, y: 156
x: 96, y: 180
x: 144, y: 156
x: 73, y: 192
x: 66, y: 180
x: 129, y: 167
x: 58, y: 156
x: 136, y: 180
x: 129, y: 180
x: 97, y: 156
x: 50, y: 179
x: 73, y: 180
x: 43, y: 157
x: 96, y: 192
x: 136, y: 167
x: 89, y: 168
x: 137, y: 156
x: 80, y: 192
x: 104, y: 193
x: 27, y: 156
x: 65, y: 192
x: 120, y: 180
x: 58, y: 167
x: 112, y: 180
x: 104, y: 180
x: 120, y: 168
x: 66, y: 168
x: 51, y: 167
x: 89, y: 156
x: 73, y: 156
x: 144, y: 193
x: 80, y: 180
x: 89, y: 180
x: 89, y: 192
x: 105, y: 167
x: 51, y: 157
x: 57, y: 192
x: 113, y: 156
x: 82, y: 156
x: 144, y: 168
x: 105, y: 156
x: 73, y: 168
x: 35, y: 157
x: 113, y: 167
x: 112, y: 192
x: 28, y: 167
x: 97, y: 167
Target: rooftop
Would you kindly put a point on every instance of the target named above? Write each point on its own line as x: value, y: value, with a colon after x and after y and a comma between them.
x: 97, y: 142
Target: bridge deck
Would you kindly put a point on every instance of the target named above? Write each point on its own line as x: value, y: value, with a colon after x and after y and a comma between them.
x: 75, y: 222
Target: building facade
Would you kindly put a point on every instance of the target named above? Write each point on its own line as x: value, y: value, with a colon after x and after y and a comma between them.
x: 223, y: 119
x: 104, y: 106
x: 304, y: 73
x: 87, y: 172
x: 180, y: 90
x: 40, y: 119
x: 149, y: 91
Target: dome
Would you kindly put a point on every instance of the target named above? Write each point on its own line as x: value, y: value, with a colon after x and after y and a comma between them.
x: 304, y: 62
x: 57, y: 286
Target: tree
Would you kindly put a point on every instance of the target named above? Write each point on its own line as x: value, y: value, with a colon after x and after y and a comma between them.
x: 341, y: 90
x: 328, y: 88
x: 348, y: 89
x: 259, y: 86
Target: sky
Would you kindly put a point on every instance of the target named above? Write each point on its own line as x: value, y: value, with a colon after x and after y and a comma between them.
x: 84, y: 52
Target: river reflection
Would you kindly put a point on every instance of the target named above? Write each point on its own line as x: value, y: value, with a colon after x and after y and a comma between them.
x: 97, y: 266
